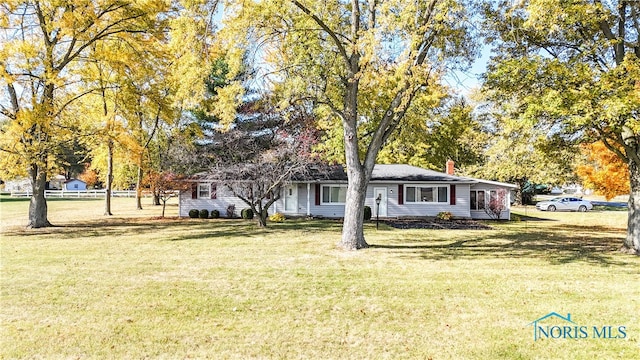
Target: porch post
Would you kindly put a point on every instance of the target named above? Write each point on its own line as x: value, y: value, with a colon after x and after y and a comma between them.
x: 308, y: 199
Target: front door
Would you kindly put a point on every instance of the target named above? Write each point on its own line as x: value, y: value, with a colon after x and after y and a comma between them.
x: 291, y: 199
x: 382, y: 208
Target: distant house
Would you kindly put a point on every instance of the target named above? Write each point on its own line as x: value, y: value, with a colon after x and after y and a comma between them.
x: 404, y: 191
x: 18, y: 185
x: 74, y: 185
x: 57, y: 182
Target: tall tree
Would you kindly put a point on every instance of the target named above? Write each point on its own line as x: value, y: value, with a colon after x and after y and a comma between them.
x: 433, y: 134
x: 55, y: 53
x: 106, y: 72
x: 360, y: 64
x: 521, y: 151
x: 255, y: 154
x: 44, y: 45
x: 576, y: 65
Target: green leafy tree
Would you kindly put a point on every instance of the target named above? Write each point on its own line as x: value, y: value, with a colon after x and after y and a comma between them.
x: 431, y: 135
x: 257, y: 155
x: 359, y: 64
x: 522, y: 152
x: 575, y: 65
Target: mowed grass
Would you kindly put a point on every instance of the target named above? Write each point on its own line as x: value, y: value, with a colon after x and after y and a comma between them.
x: 135, y: 286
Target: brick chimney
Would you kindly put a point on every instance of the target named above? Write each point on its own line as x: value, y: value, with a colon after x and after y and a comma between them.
x: 450, y: 167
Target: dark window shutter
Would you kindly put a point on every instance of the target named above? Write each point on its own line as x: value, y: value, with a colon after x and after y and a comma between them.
x: 194, y: 190
x: 452, y: 194
x: 214, y: 191
x: 400, y: 194
x: 317, y: 194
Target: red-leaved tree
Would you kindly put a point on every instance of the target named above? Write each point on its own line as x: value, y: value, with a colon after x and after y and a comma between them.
x: 497, y: 203
x: 165, y: 185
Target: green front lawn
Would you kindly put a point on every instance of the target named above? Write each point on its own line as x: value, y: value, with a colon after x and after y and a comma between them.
x: 135, y: 286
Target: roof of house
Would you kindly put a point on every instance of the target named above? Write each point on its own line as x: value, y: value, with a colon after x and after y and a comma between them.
x: 384, y: 172
x: 393, y: 173
x: 72, y: 180
x: 403, y: 172
x: 320, y: 172
x: 381, y: 172
x: 497, y: 183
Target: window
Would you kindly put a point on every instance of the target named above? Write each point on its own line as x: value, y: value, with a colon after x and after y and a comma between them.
x: 426, y: 194
x: 334, y: 194
x: 442, y: 194
x: 206, y: 191
x: 203, y: 191
x: 411, y: 194
x: 429, y: 194
x: 497, y: 198
x: 477, y: 199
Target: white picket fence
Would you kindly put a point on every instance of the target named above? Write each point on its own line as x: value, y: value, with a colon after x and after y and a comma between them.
x: 82, y: 193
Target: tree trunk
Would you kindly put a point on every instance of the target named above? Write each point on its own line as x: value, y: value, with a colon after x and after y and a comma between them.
x: 262, y: 218
x: 357, y: 177
x: 352, y: 228
x: 38, y: 171
x: 109, y: 185
x: 522, y: 198
x: 139, y: 189
x: 261, y: 213
x: 38, y: 204
x: 632, y: 242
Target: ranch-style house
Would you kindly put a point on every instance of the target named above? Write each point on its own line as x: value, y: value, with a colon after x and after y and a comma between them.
x: 404, y: 191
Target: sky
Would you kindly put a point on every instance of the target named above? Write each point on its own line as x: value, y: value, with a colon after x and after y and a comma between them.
x: 466, y: 81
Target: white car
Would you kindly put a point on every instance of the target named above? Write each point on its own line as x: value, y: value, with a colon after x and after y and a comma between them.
x: 564, y: 203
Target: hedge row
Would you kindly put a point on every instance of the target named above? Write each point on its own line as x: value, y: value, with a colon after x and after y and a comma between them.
x: 204, y: 214
x: 214, y: 214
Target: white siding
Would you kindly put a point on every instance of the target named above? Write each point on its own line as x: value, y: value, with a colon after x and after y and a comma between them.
x: 23, y: 184
x: 460, y: 209
x: 223, y: 200
x: 324, y: 210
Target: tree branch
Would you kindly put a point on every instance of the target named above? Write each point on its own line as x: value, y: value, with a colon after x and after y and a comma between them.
x: 325, y: 27
x: 373, y: 5
x: 614, y: 149
x: 74, y: 98
x: 425, y: 45
x: 14, y: 99
x: 107, y: 31
x: 43, y: 24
